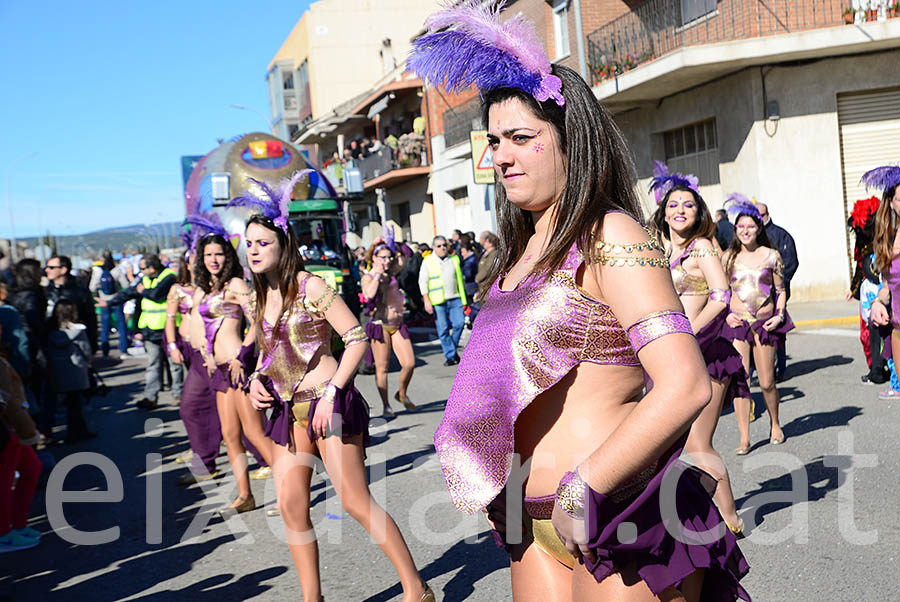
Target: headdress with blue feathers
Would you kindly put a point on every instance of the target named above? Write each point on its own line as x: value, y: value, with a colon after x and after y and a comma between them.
x: 276, y: 203
x: 663, y: 181
x: 882, y: 178
x: 736, y: 205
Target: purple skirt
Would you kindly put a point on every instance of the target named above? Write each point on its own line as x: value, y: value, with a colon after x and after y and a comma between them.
x: 221, y: 379
x: 375, y: 332
x: 187, y: 352
x: 722, y: 360
x: 350, y: 416
x: 745, y: 331
x: 662, y: 544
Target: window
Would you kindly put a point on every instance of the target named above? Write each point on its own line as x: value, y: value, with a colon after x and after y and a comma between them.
x: 288, y: 81
x: 694, y: 149
x: 691, y: 10
x: 561, y: 27
x: 460, y: 196
x: 403, y: 220
x: 461, y: 120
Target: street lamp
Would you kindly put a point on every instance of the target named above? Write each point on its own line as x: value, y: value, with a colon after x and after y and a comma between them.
x: 12, y: 227
x: 258, y: 112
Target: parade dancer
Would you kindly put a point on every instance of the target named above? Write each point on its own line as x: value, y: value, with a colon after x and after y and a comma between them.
x: 544, y: 408
x: 683, y: 219
x: 315, y: 407
x: 184, y: 339
x: 887, y: 261
x: 386, y: 330
x: 757, y: 320
x: 221, y: 300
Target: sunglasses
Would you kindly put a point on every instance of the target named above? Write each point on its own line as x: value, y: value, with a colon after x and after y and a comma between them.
x: 52, y: 267
x: 384, y: 256
x: 439, y: 246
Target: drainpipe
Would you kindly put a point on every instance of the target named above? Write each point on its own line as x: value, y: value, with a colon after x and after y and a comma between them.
x: 579, y: 40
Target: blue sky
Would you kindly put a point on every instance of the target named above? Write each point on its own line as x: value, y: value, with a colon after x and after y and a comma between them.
x: 111, y: 94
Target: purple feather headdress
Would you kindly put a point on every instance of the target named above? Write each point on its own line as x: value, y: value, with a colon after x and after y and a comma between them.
x: 276, y: 204
x: 466, y: 44
x: 882, y: 178
x: 389, y: 243
x: 737, y: 205
x: 663, y: 181
x: 205, y: 224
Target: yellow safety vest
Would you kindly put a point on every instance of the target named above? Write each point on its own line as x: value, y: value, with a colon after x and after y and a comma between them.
x: 436, y: 279
x: 153, y: 314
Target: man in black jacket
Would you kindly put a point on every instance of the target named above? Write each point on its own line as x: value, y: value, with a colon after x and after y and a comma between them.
x: 152, y: 291
x: 64, y: 286
x: 783, y: 242
x: 724, y: 230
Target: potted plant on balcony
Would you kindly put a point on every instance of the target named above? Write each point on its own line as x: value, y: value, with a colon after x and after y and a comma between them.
x: 849, y: 15
x: 894, y: 9
x: 411, y: 148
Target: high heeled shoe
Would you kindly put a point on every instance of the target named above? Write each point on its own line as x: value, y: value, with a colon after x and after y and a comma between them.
x: 777, y: 440
x: 406, y: 402
x: 742, y: 451
x: 428, y: 596
x: 247, y: 504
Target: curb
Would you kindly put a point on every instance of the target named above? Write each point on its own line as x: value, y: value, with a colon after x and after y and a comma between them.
x: 842, y: 321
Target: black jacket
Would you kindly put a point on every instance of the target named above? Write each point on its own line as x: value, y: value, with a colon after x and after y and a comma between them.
x: 724, y: 233
x: 32, y: 305
x: 784, y: 244
x: 82, y: 297
x: 157, y: 294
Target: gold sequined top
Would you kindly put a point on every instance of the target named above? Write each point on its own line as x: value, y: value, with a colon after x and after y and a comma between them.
x: 294, y: 342
x: 754, y: 286
x: 685, y: 283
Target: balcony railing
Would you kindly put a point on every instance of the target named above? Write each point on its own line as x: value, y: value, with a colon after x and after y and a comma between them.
x: 461, y: 120
x: 658, y: 27
x: 386, y: 160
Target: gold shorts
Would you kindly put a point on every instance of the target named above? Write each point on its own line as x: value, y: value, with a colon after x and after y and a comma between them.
x: 539, y: 526
x: 302, y: 401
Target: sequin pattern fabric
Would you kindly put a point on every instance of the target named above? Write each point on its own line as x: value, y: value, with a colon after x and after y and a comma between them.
x: 656, y: 325
x: 754, y: 285
x: 292, y: 344
x: 523, y: 342
x: 213, y: 309
x: 685, y: 283
x: 185, y: 298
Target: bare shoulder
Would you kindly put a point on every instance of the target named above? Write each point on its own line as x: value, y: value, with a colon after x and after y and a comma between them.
x: 315, y: 286
x: 704, y: 244
x: 621, y: 228
x: 238, y: 285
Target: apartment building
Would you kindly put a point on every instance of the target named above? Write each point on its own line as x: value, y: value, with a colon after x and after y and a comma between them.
x: 788, y: 101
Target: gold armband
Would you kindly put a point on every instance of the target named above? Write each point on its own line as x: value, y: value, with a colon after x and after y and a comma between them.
x: 354, y: 336
x: 324, y: 301
x: 621, y: 255
x: 703, y: 253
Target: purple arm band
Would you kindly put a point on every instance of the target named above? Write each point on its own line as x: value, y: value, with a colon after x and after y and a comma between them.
x: 720, y: 294
x: 656, y: 325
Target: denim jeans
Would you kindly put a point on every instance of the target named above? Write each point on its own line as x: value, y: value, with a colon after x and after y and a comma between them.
x: 447, y: 314
x: 121, y: 326
x: 153, y: 377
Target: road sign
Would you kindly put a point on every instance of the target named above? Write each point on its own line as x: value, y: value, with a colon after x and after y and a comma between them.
x: 482, y: 162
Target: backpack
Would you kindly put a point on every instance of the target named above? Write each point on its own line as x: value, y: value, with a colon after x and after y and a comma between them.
x: 107, y: 283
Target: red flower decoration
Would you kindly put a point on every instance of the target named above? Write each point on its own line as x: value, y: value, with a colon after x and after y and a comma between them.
x: 863, y: 210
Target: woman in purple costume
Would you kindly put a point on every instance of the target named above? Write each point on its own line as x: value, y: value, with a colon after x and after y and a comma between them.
x: 683, y: 219
x: 757, y: 321
x: 198, y: 399
x: 887, y: 259
x: 316, y: 410
x: 548, y: 428
x: 386, y: 330
x: 221, y: 300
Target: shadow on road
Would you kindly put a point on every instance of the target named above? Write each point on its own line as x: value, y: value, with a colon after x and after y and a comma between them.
x: 802, y: 367
x: 474, y: 561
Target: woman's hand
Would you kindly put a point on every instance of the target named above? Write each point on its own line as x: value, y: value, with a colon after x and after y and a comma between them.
x: 236, y: 372
x: 773, y: 322
x: 733, y: 320
x: 880, y: 314
x: 321, y: 422
x: 210, y: 364
x: 573, y: 533
x: 260, y: 398
x: 175, y: 355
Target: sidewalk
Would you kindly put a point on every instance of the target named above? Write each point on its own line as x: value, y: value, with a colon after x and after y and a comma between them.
x: 825, y: 314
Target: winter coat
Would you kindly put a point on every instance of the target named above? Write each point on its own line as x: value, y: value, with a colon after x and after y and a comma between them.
x: 32, y: 306
x: 15, y: 417
x: 82, y: 297
x: 15, y: 339
x: 68, y: 351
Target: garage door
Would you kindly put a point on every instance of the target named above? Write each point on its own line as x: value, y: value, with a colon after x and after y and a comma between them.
x: 870, y: 137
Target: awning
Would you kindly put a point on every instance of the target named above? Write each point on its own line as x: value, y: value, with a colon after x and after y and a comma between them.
x: 378, y: 107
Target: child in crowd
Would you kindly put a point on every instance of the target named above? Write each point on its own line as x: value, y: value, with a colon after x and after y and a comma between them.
x: 70, y: 365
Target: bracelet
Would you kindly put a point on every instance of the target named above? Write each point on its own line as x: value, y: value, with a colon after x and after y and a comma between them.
x: 571, y: 493
x: 329, y: 394
x: 173, y: 346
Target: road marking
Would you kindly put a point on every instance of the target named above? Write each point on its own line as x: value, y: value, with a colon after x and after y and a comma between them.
x: 833, y: 332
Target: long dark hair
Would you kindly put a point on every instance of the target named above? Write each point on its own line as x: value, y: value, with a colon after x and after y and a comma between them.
x: 704, y: 226
x: 762, y: 239
x: 65, y: 313
x: 599, y: 175
x: 184, y: 277
x: 231, y: 268
x: 290, y: 263
x: 885, y: 231
x: 28, y: 275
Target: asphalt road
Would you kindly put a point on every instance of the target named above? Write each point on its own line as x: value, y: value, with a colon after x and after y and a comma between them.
x: 824, y: 503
